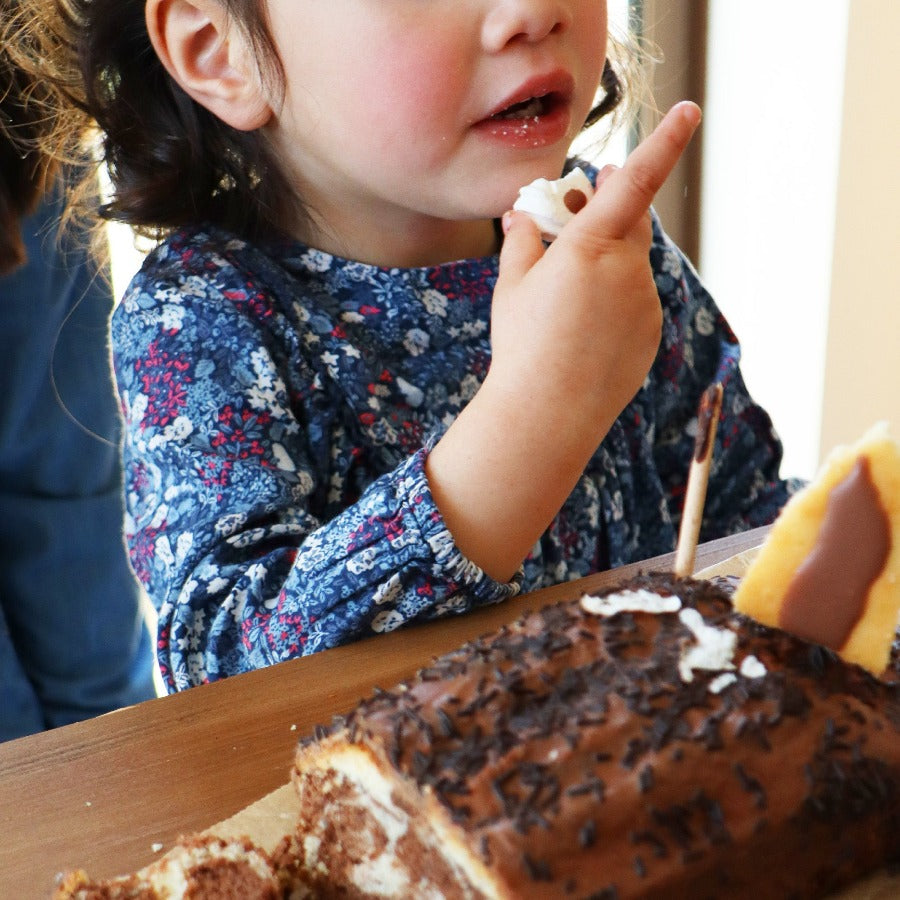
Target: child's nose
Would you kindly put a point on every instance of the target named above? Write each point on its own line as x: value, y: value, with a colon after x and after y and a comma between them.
x: 523, y: 20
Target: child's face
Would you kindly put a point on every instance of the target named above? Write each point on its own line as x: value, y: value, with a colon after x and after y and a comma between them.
x: 393, y: 119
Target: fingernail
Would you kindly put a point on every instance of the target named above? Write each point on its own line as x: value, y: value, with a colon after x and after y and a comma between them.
x: 506, y: 221
x: 605, y: 172
x: 690, y: 111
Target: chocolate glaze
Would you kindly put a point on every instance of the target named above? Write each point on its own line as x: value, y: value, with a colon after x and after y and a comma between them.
x: 575, y: 762
x: 827, y: 595
x: 574, y: 200
x: 707, y: 418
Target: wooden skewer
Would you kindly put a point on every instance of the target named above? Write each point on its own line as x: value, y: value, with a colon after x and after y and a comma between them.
x: 698, y: 477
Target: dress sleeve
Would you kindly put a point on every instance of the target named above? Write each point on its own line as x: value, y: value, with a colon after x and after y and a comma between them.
x: 746, y: 489
x: 234, y: 523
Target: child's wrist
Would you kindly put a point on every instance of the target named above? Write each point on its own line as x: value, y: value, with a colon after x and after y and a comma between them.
x: 547, y: 398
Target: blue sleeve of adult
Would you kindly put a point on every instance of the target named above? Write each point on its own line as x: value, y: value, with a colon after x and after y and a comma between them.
x: 70, y: 602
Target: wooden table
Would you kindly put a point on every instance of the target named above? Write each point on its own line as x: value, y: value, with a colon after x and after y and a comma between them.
x: 99, y: 794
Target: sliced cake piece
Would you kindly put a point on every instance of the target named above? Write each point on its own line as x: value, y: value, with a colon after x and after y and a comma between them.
x: 198, y: 867
x: 829, y: 571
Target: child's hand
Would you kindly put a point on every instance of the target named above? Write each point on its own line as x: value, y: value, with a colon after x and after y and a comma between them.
x: 584, y: 316
x: 574, y: 332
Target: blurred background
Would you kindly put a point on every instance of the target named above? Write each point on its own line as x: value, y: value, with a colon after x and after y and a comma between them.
x: 789, y: 202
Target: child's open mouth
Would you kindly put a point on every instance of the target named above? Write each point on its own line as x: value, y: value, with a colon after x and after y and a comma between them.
x: 537, y: 121
x: 535, y: 114
x: 531, y: 108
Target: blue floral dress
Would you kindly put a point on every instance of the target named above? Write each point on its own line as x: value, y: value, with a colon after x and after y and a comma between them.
x: 279, y: 406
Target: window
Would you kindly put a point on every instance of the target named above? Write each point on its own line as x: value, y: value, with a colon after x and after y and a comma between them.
x: 678, y: 28
x: 675, y: 32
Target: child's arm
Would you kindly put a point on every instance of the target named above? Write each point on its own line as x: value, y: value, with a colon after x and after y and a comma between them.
x: 574, y: 333
x: 270, y: 512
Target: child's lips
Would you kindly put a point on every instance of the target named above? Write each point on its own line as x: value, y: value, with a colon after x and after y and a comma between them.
x: 533, y: 123
x: 535, y: 115
x: 531, y: 108
x: 557, y: 84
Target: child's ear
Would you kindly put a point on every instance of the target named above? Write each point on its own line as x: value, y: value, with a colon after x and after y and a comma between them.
x: 210, y: 59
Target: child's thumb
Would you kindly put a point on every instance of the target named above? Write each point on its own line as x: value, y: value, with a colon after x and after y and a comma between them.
x: 522, y: 247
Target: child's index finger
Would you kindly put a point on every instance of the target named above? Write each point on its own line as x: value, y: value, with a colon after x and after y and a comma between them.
x: 625, y: 196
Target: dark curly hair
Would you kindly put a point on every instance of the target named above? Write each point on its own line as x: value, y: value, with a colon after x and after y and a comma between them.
x: 171, y: 162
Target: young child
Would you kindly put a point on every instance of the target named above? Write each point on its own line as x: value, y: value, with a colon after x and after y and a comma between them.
x: 352, y: 400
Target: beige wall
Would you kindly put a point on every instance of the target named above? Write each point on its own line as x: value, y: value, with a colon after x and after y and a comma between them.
x: 862, y: 364
x: 771, y: 165
x: 800, y: 239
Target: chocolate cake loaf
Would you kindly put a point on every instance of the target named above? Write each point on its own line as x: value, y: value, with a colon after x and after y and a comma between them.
x: 651, y: 743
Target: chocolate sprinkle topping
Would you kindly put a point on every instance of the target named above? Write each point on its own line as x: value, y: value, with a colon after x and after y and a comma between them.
x: 568, y: 733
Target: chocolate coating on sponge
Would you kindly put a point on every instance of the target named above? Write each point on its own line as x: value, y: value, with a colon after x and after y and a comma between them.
x: 574, y: 761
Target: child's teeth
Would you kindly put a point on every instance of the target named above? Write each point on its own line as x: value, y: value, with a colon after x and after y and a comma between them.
x: 525, y: 111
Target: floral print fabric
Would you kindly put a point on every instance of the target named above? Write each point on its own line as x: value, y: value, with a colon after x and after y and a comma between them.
x: 279, y: 405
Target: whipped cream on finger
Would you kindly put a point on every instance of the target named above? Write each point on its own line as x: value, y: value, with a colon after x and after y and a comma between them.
x: 551, y: 204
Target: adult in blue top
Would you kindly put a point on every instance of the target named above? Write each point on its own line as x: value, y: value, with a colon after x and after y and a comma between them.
x: 72, y: 639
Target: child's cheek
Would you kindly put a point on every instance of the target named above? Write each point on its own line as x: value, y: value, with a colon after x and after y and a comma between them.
x: 422, y: 90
